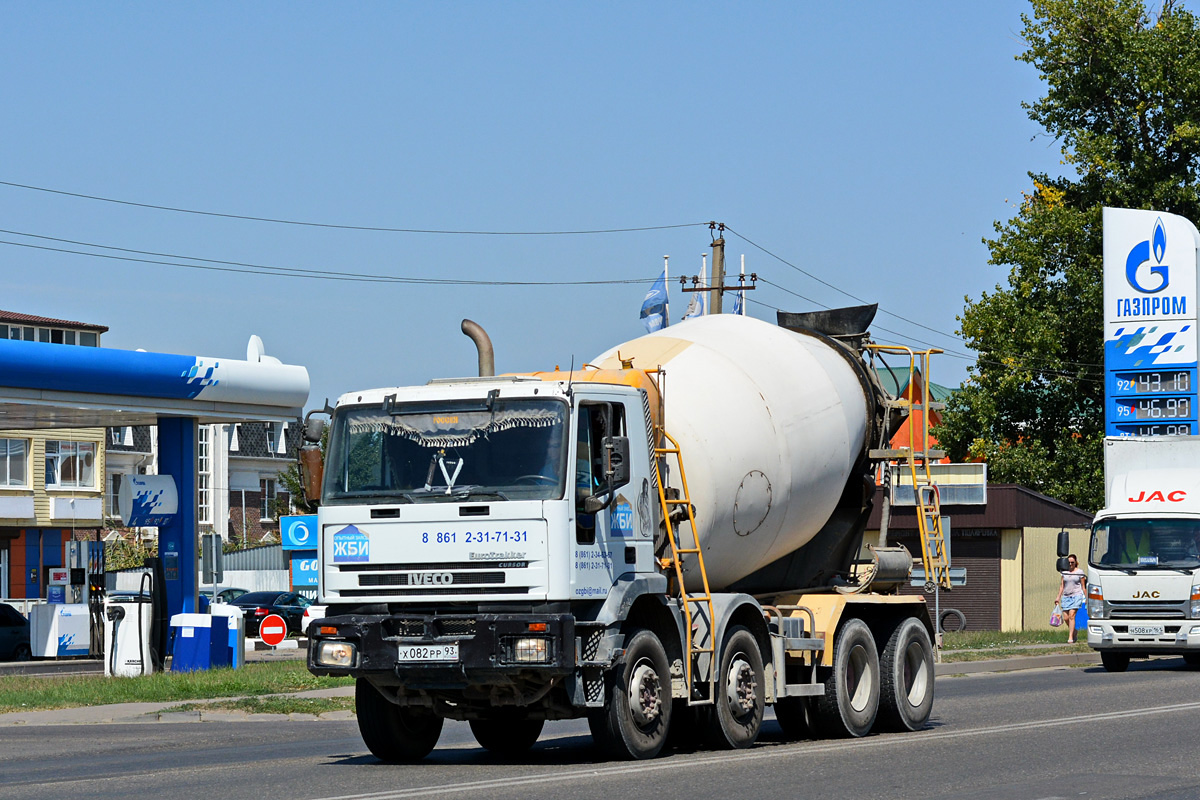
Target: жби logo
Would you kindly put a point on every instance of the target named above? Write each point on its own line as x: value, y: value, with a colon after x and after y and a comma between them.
x: 350, y: 544
x: 1140, y: 254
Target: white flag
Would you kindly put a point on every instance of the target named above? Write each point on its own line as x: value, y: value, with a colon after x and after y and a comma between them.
x: 698, y: 307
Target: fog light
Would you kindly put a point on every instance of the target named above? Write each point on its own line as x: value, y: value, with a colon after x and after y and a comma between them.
x: 1194, y: 631
x: 1096, y: 629
x: 335, y: 654
x: 532, y: 651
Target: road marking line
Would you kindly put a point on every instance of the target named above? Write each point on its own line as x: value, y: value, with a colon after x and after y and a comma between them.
x: 772, y: 752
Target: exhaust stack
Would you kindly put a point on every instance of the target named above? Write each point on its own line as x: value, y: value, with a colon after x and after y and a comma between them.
x: 483, y: 343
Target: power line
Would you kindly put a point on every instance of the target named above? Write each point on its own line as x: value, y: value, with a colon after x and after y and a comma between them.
x: 884, y: 310
x: 327, y: 275
x: 376, y: 228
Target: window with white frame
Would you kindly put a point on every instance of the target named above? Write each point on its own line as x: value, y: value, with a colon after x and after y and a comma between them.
x: 112, y: 498
x: 14, y: 455
x: 70, y: 465
x: 267, y: 487
x: 203, y: 476
x: 272, y: 436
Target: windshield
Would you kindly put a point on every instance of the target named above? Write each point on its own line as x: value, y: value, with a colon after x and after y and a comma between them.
x: 1146, y: 543
x: 489, y: 449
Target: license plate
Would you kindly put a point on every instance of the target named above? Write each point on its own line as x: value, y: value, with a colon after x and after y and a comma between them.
x: 428, y: 652
x: 1146, y: 630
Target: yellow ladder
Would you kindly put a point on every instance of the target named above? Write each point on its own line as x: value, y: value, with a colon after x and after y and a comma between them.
x: 928, y: 500
x: 694, y: 649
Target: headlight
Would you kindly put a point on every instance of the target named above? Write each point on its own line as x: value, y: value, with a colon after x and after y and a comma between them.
x: 335, y: 654
x: 530, y: 650
x: 1195, y: 601
x: 1095, y: 602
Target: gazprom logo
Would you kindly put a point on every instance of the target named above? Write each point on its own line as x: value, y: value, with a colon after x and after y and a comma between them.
x: 1140, y: 254
x: 351, y: 544
x: 1157, y: 279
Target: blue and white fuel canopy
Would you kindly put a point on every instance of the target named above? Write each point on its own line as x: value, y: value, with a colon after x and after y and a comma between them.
x: 63, y: 386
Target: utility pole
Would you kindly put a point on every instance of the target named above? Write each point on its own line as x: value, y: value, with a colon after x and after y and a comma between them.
x: 717, y: 287
x: 718, y: 270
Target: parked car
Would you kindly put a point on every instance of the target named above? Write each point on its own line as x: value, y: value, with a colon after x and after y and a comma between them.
x: 223, y: 596
x: 257, y: 605
x: 310, y: 614
x: 14, y: 635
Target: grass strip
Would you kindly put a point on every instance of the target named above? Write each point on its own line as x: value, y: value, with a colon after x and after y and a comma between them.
x: 276, y: 704
x: 998, y: 640
x: 31, y: 693
x: 1012, y: 652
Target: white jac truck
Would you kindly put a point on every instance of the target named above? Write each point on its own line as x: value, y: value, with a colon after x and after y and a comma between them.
x: 1144, y: 559
x: 667, y: 540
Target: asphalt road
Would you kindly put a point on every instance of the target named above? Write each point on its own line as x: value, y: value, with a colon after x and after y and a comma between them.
x: 1051, y: 733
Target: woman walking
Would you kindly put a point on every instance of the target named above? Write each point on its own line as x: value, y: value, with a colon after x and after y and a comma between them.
x: 1071, y: 593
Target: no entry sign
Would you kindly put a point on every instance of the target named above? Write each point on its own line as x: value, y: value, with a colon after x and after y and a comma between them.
x: 272, y: 630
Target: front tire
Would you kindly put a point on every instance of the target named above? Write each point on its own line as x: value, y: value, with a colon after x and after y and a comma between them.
x: 396, y: 734
x: 506, y: 733
x: 1114, y: 662
x: 22, y: 653
x: 906, y: 667
x: 637, y: 713
x: 740, y: 700
x: 851, y: 699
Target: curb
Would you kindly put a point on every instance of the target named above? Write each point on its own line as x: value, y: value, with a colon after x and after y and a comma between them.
x: 1090, y: 658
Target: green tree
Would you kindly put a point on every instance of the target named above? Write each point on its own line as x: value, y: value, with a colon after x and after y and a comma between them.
x: 1123, y: 101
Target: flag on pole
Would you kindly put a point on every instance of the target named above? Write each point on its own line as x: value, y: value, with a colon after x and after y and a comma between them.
x: 739, y: 298
x: 698, y: 307
x: 655, y: 315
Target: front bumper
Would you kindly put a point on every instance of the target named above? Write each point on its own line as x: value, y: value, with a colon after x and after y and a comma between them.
x: 1177, y: 636
x: 487, y: 651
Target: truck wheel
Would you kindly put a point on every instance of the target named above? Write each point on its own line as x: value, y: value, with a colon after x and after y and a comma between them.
x: 851, y: 698
x: 506, y: 733
x: 906, y: 667
x: 391, y: 732
x: 1192, y: 659
x: 1114, y: 662
x: 637, y: 713
x: 740, y: 700
x: 792, y: 715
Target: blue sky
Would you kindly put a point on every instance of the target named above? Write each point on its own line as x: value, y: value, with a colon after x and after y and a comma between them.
x: 870, y: 144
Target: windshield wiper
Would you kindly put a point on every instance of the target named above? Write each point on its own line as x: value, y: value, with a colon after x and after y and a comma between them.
x: 477, y: 491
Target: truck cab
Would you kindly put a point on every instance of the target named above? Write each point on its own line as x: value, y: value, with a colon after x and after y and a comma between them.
x: 1144, y: 557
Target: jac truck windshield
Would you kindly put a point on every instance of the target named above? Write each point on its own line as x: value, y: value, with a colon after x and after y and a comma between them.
x: 490, y: 449
x: 1146, y: 544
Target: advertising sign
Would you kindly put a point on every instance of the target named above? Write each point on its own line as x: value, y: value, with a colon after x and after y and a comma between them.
x: 304, y: 568
x: 1150, y: 331
x: 147, y: 500
x: 298, y: 532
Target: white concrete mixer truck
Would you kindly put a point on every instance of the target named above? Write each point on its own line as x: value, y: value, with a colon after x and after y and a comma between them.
x: 664, y: 542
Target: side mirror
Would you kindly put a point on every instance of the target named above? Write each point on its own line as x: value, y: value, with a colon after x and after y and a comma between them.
x: 616, y: 449
x: 314, y: 429
x: 1063, y: 564
x: 595, y: 503
x: 1064, y: 544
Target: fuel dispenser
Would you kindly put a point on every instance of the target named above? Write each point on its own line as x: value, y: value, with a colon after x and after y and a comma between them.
x: 135, y: 630
x: 128, y: 635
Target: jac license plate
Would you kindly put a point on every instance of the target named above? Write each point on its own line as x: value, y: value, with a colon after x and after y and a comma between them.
x: 428, y: 652
x: 1146, y: 630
